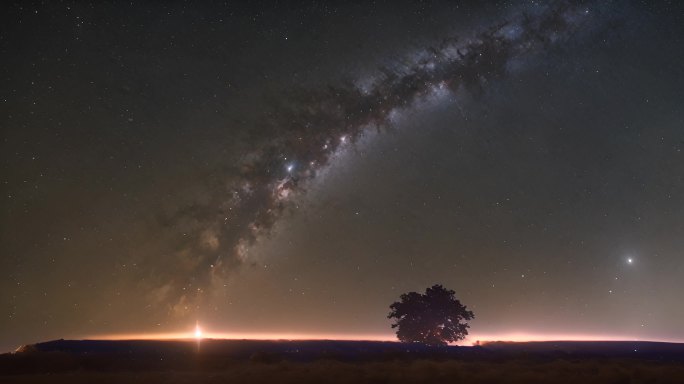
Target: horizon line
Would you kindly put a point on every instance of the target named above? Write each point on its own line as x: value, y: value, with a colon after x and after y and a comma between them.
x: 519, y: 337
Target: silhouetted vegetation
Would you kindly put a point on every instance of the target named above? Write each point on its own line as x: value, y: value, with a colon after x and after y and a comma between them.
x: 434, y: 318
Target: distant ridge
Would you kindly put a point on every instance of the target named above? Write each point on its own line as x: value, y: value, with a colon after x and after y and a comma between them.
x: 319, y: 360
x: 346, y: 349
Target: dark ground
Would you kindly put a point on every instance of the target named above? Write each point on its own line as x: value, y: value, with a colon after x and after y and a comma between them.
x: 249, y: 361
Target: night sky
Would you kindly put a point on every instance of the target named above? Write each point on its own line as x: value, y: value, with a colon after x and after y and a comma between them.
x: 266, y: 168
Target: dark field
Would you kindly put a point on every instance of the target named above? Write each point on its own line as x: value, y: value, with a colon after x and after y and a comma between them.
x: 235, y: 361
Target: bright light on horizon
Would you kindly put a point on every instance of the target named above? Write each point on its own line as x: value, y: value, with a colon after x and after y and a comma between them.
x: 470, y: 340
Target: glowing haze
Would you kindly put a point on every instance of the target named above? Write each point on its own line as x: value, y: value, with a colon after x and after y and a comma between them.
x: 472, y: 339
x: 288, y: 173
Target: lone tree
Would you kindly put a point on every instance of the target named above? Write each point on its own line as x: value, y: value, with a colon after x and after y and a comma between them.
x: 433, y: 318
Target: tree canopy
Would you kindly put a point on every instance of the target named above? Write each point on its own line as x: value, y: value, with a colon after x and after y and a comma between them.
x: 433, y: 318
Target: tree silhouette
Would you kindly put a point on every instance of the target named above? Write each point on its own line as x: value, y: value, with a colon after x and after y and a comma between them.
x: 433, y: 318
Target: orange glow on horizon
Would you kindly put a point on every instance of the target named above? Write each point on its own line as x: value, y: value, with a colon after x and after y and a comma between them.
x: 470, y: 340
x: 241, y: 336
x: 532, y: 337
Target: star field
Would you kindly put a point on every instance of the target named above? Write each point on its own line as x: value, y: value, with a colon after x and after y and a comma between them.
x: 269, y: 168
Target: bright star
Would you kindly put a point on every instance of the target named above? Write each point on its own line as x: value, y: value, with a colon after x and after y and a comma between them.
x: 630, y: 260
x: 198, y: 332
x: 290, y: 168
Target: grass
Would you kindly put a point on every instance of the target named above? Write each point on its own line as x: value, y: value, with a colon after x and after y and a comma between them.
x: 585, y: 371
x: 302, y: 362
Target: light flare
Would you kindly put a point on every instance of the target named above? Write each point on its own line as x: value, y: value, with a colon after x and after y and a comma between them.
x: 472, y: 338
